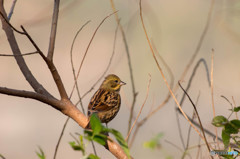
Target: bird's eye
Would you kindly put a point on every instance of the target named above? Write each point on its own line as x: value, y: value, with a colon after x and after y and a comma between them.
x: 116, y: 81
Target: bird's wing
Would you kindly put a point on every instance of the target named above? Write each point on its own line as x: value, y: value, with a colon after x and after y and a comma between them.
x: 103, y: 100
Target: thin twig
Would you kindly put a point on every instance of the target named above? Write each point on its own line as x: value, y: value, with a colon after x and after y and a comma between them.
x: 174, y: 145
x: 159, y: 68
x: 25, y: 54
x: 190, y: 128
x: 66, y: 122
x: 171, y: 84
x: 73, y: 69
x: 188, y: 87
x: 126, y: 139
x: 227, y: 100
x: 74, y: 138
x: 109, y: 63
x: 8, y: 28
x: 183, y: 74
x: 177, y: 147
x: 7, y: 21
x: 205, y: 139
x: 106, y: 69
x: 179, y: 129
x: 12, y: 9
x: 89, y: 44
x: 56, y: 77
x: 134, y: 93
x: 169, y: 70
x: 71, y: 53
x: 33, y: 43
x: 108, y: 66
x: 152, y: 112
x: 199, y: 44
x: 64, y: 105
x: 213, y: 107
x: 53, y: 30
x: 199, y: 148
x: 193, y: 75
x: 234, y: 105
x: 60, y: 138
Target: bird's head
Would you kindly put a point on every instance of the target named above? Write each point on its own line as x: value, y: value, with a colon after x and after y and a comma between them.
x: 112, y: 83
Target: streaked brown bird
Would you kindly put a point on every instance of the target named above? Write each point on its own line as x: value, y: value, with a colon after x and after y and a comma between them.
x: 106, y: 101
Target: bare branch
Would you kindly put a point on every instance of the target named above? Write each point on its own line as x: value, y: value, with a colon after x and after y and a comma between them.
x: 160, y: 70
x: 109, y: 63
x: 64, y: 105
x: 25, y: 54
x: 193, y: 75
x: 11, y: 10
x: 199, y: 45
x: 27, y: 94
x: 213, y: 107
x: 134, y: 93
x: 51, y: 66
x: 104, y: 73
x: 60, y: 138
x: 66, y: 122
x: 73, y: 69
x: 140, y: 109
x: 16, y: 51
x: 179, y: 128
x: 34, y: 44
x: 53, y: 30
x: 75, y: 81
x: 201, y: 126
x: 84, y: 56
x: 3, y: 15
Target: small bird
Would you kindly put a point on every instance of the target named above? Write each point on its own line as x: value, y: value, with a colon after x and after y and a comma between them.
x: 106, y: 101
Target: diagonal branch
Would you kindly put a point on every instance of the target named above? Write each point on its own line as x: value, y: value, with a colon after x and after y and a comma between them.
x: 140, y: 108
x: 56, y: 77
x: 199, y: 45
x: 161, y: 72
x: 53, y: 30
x: 134, y: 93
x: 16, y: 51
x: 89, y: 44
x: 195, y: 109
x: 12, y: 8
x: 32, y: 95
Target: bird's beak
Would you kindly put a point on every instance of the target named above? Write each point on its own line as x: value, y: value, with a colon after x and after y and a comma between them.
x: 122, y: 83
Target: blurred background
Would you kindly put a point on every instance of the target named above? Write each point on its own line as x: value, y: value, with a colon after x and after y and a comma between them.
x: 174, y: 26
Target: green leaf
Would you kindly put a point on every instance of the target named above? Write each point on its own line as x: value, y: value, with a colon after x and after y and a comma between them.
x: 101, y: 139
x: 92, y: 156
x: 219, y: 121
x: 225, y: 138
x: 236, y: 109
x: 76, y: 147
x: 95, y: 124
x: 154, y: 142
x: 121, y: 141
x: 40, y: 154
x: 236, y: 123
x: 230, y: 129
